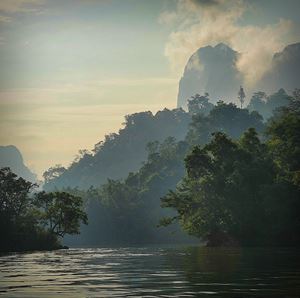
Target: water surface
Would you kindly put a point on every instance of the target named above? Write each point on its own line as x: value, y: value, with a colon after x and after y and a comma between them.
x: 152, y: 272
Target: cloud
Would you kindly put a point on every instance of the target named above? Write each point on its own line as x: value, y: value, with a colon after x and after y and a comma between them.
x: 258, y: 50
x: 167, y: 17
x: 5, y: 19
x: 208, y: 22
x: 12, y: 6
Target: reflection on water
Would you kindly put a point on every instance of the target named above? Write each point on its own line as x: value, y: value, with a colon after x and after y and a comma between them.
x: 152, y: 272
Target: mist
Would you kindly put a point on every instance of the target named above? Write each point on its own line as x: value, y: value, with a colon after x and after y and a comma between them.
x: 149, y: 148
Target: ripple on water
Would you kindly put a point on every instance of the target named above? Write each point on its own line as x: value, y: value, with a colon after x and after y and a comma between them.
x: 151, y: 272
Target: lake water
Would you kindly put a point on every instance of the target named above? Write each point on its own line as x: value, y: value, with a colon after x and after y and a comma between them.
x: 152, y: 272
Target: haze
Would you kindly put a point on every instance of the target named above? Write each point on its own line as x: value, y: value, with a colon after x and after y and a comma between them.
x: 71, y: 70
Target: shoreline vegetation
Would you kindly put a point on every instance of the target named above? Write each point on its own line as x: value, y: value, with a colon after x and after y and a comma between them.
x: 232, y: 180
x: 32, y: 220
x: 244, y: 191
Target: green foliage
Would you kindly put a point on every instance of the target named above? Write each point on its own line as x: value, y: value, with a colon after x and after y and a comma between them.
x: 14, y: 200
x: 218, y: 194
x: 199, y: 104
x: 132, y: 206
x: 29, y: 222
x: 234, y: 186
x: 120, y: 153
x: 53, y: 173
x: 258, y: 103
x: 61, y: 213
x: 284, y: 133
x: 227, y: 118
x: 245, y: 189
x: 267, y: 105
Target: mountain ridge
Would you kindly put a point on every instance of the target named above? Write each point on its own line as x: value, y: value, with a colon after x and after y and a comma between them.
x: 10, y: 156
x: 214, y: 70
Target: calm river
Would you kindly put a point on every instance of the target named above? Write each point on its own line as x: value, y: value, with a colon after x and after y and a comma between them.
x: 152, y: 272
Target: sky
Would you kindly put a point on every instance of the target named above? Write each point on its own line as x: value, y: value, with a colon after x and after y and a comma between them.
x: 71, y: 69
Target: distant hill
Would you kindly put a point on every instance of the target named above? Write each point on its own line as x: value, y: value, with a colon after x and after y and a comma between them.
x: 267, y: 105
x: 127, y: 210
x: 122, y: 152
x: 209, y: 69
x: 285, y: 70
x: 212, y: 70
x: 10, y: 156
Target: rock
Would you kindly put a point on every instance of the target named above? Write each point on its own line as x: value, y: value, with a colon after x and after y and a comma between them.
x: 212, y: 70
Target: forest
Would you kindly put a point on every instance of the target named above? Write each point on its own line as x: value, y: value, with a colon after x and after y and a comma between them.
x: 129, y: 209
x: 217, y: 173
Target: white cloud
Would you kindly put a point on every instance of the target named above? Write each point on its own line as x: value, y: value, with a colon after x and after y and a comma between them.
x: 12, y: 6
x: 258, y: 49
x: 167, y: 17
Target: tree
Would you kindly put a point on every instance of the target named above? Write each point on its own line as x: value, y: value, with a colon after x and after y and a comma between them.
x: 122, y: 152
x: 223, y: 190
x: 241, y: 96
x: 199, y: 104
x: 258, y: 103
x: 61, y: 212
x: 14, y: 191
x: 278, y: 99
x: 284, y: 139
x: 53, y: 173
x: 267, y: 105
x: 19, y: 228
x: 227, y: 118
x: 31, y: 221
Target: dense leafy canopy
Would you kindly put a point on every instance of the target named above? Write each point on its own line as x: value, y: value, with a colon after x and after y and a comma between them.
x: 123, y: 152
x: 266, y: 105
x: 62, y: 212
x: 223, y: 175
x: 199, y: 104
x: 244, y: 191
x: 120, y: 153
x: 28, y: 221
x: 227, y: 118
x: 128, y: 210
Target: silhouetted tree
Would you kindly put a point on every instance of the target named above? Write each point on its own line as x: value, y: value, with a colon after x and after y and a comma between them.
x: 28, y: 221
x: 62, y: 213
x: 241, y: 96
x: 199, y: 104
x: 267, y: 105
x: 53, y: 173
x: 243, y: 191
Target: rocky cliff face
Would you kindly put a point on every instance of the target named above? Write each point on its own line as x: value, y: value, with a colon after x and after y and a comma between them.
x: 285, y: 70
x: 11, y: 157
x: 212, y: 70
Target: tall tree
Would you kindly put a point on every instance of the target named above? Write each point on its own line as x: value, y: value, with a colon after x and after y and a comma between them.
x: 241, y: 96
